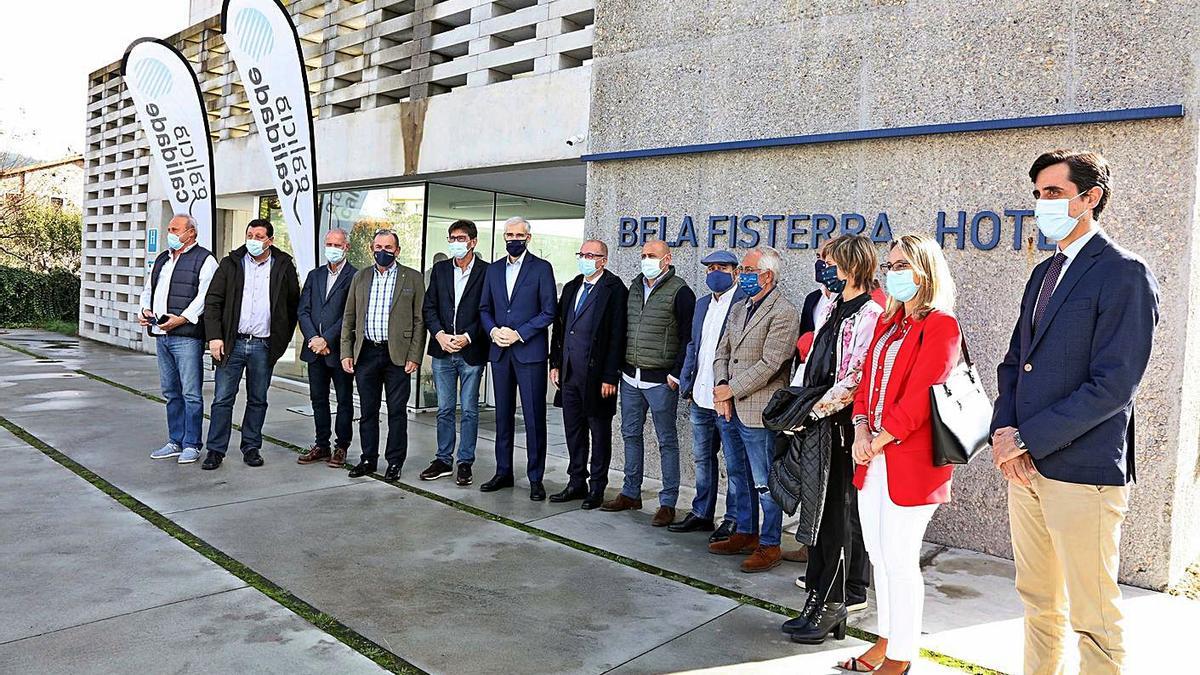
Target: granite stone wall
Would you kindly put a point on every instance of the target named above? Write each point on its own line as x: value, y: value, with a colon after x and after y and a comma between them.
x: 666, y: 75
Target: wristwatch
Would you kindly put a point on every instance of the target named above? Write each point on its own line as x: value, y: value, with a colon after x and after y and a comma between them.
x: 1017, y: 439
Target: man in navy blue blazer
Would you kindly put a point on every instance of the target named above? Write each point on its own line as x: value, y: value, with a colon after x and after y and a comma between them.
x: 517, y: 307
x: 1063, y: 428
x: 322, y: 304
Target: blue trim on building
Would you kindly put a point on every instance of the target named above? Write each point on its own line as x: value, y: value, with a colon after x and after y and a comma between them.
x: 1123, y: 115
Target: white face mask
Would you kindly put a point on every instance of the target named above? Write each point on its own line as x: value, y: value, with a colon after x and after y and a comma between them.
x: 650, y: 268
x: 1054, y: 218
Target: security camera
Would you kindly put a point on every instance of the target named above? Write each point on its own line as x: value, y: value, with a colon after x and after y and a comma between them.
x: 577, y: 139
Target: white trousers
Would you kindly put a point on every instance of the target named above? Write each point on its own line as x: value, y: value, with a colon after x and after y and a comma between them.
x: 892, y: 535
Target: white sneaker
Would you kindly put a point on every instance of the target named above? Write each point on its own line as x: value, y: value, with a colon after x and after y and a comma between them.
x: 856, y: 607
x: 800, y: 583
x: 166, y: 452
x: 189, y: 455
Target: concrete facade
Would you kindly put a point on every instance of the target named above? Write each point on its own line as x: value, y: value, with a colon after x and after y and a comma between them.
x: 667, y: 76
x: 59, y: 182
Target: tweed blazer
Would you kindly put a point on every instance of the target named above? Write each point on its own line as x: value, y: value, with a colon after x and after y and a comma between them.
x: 755, y: 358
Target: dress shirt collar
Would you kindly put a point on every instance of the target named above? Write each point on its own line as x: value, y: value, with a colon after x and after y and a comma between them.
x: 1072, y: 251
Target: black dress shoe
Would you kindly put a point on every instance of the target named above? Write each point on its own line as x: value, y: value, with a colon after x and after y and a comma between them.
x: 252, y: 457
x: 497, y: 482
x: 829, y: 618
x: 691, y: 523
x: 362, y: 469
x: 392, y: 474
x: 212, y: 460
x: 723, y: 532
x: 568, y: 494
x: 537, y: 492
x: 592, y: 501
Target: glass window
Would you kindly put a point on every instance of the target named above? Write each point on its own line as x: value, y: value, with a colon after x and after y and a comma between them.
x: 557, y: 231
x: 363, y: 212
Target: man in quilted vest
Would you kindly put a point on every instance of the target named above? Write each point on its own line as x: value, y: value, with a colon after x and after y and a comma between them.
x: 660, y: 312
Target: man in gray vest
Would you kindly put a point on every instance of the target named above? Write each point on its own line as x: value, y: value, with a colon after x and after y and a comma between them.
x: 172, y: 303
x: 659, y: 327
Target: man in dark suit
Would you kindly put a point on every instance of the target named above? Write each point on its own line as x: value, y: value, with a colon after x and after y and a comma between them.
x: 517, y: 308
x: 458, y: 350
x: 383, y: 338
x: 249, y: 320
x: 696, y: 384
x: 586, y: 350
x: 322, y: 304
x: 1063, y: 429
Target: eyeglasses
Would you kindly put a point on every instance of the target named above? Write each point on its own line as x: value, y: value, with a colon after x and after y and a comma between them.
x: 458, y: 238
x: 590, y: 256
x: 515, y: 236
x: 898, y: 266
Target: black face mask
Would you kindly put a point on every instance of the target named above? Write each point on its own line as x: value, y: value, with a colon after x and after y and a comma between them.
x: 384, y: 258
x: 516, y: 247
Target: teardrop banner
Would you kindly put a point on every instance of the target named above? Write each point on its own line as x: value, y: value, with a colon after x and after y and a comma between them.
x: 265, y: 48
x: 170, y: 110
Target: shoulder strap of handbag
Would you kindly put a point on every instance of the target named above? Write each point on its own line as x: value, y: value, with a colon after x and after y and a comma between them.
x: 962, y: 344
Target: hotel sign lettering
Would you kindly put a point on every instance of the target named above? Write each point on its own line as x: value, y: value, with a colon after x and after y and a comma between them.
x: 983, y: 230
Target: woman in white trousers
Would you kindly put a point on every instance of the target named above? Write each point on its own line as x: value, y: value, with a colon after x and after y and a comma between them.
x: 916, y: 345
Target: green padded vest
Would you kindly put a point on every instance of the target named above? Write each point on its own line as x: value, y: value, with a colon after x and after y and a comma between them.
x: 653, y: 332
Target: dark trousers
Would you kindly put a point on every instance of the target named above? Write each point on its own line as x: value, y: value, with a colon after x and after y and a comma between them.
x: 508, y: 377
x: 320, y: 374
x: 839, y: 544
x: 374, y: 373
x: 583, y: 430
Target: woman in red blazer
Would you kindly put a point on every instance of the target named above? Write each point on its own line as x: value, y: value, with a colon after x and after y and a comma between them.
x: 916, y: 345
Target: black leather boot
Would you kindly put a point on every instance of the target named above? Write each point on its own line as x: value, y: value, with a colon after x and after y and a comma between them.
x: 802, y: 622
x: 829, y: 618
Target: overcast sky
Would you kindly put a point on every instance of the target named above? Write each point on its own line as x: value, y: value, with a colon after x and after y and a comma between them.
x: 47, y: 50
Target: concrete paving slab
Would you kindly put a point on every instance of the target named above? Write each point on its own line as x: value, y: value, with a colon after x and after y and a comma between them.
x: 72, y: 555
x: 239, y: 631
x: 453, y: 592
x: 748, y: 640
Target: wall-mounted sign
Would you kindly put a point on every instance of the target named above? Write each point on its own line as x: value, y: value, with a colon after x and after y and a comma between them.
x: 152, y: 240
x: 983, y: 230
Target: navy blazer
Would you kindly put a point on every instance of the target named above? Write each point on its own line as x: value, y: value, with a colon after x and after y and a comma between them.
x: 687, y: 378
x: 1069, y: 387
x: 323, y: 316
x: 530, y: 311
x: 605, y: 309
x: 438, y: 310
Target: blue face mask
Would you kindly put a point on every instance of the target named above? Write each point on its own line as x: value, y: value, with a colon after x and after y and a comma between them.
x: 515, y: 248
x: 818, y: 269
x: 384, y: 258
x: 255, y: 247
x: 902, y: 285
x: 829, y: 279
x: 174, y: 242
x: 718, y: 281
x: 748, y: 282
x: 587, y: 267
x: 334, y: 254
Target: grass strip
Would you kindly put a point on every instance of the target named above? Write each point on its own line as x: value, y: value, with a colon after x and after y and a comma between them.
x: 937, y: 657
x: 340, y: 631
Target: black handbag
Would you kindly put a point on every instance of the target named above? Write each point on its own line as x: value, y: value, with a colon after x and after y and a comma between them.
x: 962, y: 414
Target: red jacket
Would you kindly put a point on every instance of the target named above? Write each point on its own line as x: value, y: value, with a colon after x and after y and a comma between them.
x: 926, y: 357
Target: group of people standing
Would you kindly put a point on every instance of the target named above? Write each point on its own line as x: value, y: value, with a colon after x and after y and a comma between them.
x: 861, y: 355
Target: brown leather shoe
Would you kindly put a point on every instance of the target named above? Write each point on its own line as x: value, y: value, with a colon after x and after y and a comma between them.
x: 315, y: 454
x: 799, y: 555
x: 621, y: 503
x: 664, y: 516
x: 338, y: 459
x: 763, y: 559
x: 736, y: 544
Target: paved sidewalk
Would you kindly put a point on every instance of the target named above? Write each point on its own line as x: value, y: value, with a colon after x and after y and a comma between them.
x: 451, y: 590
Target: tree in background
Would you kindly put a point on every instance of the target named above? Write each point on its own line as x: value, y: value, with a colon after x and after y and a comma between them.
x: 38, y: 236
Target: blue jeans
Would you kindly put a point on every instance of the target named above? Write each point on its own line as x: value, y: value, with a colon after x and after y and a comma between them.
x: 756, y: 458
x: 180, y: 372
x: 449, y: 374
x: 706, y: 442
x: 663, y: 403
x: 249, y: 356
